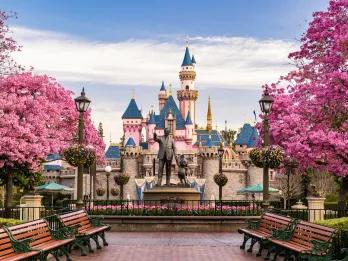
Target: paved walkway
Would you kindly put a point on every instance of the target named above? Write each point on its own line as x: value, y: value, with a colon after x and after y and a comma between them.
x: 163, y: 246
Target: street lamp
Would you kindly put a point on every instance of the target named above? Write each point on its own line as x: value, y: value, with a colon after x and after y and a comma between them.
x: 108, y: 171
x: 82, y: 104
x: 221, y: 153
x: 266, y: 106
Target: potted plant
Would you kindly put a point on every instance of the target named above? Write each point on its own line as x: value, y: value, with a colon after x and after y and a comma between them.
x: 115, y: 191
x: 77, y: 155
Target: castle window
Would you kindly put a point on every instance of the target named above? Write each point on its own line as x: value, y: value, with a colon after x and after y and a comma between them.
x: 186, y: 67
x: 187, y: 87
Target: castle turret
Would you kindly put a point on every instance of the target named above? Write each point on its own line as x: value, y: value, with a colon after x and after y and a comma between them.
x: 162, y: 96
x: 151, y: 127
x: 187, y: 95
x: 132, y: 122
x: 210, y: 165
x: 209, y: 117
x: 130, y: 154
x: 189, y: 128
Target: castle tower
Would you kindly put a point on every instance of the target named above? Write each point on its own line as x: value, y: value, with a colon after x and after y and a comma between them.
x: 162, y: 96
x: 130, y: 155
x: 187, y: 95
x: 209, y: 117
x: 132, y: 122
x: 210, y: 165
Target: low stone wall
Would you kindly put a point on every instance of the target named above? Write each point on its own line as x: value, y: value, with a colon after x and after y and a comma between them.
x: 176, y: 223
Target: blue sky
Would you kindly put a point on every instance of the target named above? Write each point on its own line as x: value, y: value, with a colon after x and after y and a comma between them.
x: 112, y: 47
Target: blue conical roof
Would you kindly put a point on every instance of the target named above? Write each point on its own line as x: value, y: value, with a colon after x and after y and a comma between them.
x: 170, y: 105
x: 188, y: 119
x: 248, y: 136
x: 130, y: 142
x: 132, y: 111
x: 152, y: 119
x: 162, y: 87
x: 187, y: 58
x: 193, y: 60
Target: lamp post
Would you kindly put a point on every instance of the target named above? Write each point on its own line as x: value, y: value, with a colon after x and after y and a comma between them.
x: 82, y: 104
x: 266, y: 106
x: 107, y: 171
x: 221, y: 153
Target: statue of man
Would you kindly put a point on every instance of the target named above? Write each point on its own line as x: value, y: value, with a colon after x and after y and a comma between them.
x: 166, y: 153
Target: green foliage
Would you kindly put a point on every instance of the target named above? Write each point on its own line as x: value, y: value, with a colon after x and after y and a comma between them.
x: 337, y: 223
x: 229, y: 136
x: 9, y: 222
x: 100, y: 191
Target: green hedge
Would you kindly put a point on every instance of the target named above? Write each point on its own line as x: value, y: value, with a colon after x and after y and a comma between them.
x: 341, y: 240
x: 9, y: 222
x: 337, y: 223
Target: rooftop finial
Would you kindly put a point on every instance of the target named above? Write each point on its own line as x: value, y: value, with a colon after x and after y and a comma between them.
x: 133, y: 93
x: 170, y: 90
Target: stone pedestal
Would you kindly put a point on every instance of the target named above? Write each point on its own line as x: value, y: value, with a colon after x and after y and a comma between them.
x: 316, y: 208
x: 188, y: 195
x: 30, y: 207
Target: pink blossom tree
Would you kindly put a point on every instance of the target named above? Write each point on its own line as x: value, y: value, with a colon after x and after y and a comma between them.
x: 37, y: 117
x: 309, y: 117
x: 7, y: 46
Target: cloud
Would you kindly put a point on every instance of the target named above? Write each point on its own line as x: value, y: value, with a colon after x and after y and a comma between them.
x: 229, y: 62
x: 229, y: 69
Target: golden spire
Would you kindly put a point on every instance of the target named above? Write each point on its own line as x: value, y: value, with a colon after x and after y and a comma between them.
x: 209, y: 117
x: 170, y: 89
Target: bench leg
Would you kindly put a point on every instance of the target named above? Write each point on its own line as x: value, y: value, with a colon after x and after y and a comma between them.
x: 253, y: 241
x: 80, y: 243
x: 259, y: 253
x: 102, y: 236
x: 246, y: 238
x: 95, y: 238
x: 271, y: 248
x: 65, y: 251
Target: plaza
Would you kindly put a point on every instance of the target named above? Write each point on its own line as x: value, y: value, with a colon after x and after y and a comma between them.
x: 160, y: 246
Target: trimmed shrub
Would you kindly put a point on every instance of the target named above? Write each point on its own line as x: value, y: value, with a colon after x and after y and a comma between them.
x: 9, y: 222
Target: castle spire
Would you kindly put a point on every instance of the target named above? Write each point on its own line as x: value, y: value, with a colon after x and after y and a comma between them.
x: 209, y: 117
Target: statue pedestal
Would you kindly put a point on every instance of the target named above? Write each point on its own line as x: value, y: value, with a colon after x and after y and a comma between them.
x: 316, y: 208
x: 172, y: 194
x: 30, y: 207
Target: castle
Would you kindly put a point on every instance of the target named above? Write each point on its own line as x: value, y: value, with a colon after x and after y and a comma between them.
x: 137, y: 156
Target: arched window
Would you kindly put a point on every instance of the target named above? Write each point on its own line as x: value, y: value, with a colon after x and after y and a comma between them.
x: 187, y: 87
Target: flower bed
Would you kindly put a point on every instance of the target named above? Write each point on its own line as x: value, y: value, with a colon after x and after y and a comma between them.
x: 173, y: 209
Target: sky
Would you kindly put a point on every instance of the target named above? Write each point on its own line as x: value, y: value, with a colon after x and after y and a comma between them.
x: 114, y: 47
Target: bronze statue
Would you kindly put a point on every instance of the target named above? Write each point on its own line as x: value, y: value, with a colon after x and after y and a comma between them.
x: 182, y: 173
x: 166, y: 153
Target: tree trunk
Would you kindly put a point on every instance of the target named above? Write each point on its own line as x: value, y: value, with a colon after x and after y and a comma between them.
x: 342, y: 204
x: 9, y: 195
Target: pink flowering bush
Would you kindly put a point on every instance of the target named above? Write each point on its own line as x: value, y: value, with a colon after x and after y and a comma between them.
x: 138, y: 208
x: 309, y: 118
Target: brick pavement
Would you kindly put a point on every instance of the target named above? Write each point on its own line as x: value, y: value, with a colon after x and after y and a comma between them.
x: 166, y: 246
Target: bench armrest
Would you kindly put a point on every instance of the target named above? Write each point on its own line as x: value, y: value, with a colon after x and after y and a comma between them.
x: 282, y: 234
x: 253, y: 224
x: 19, y: 246
x: 320, y: 247
x: 62, y: 233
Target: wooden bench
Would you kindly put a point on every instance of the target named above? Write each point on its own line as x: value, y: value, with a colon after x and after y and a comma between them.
x: 13, y: 251
x: 308, y: 241
x: 36, y: 238
x: 84, y: 228
x: 261, y: 230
